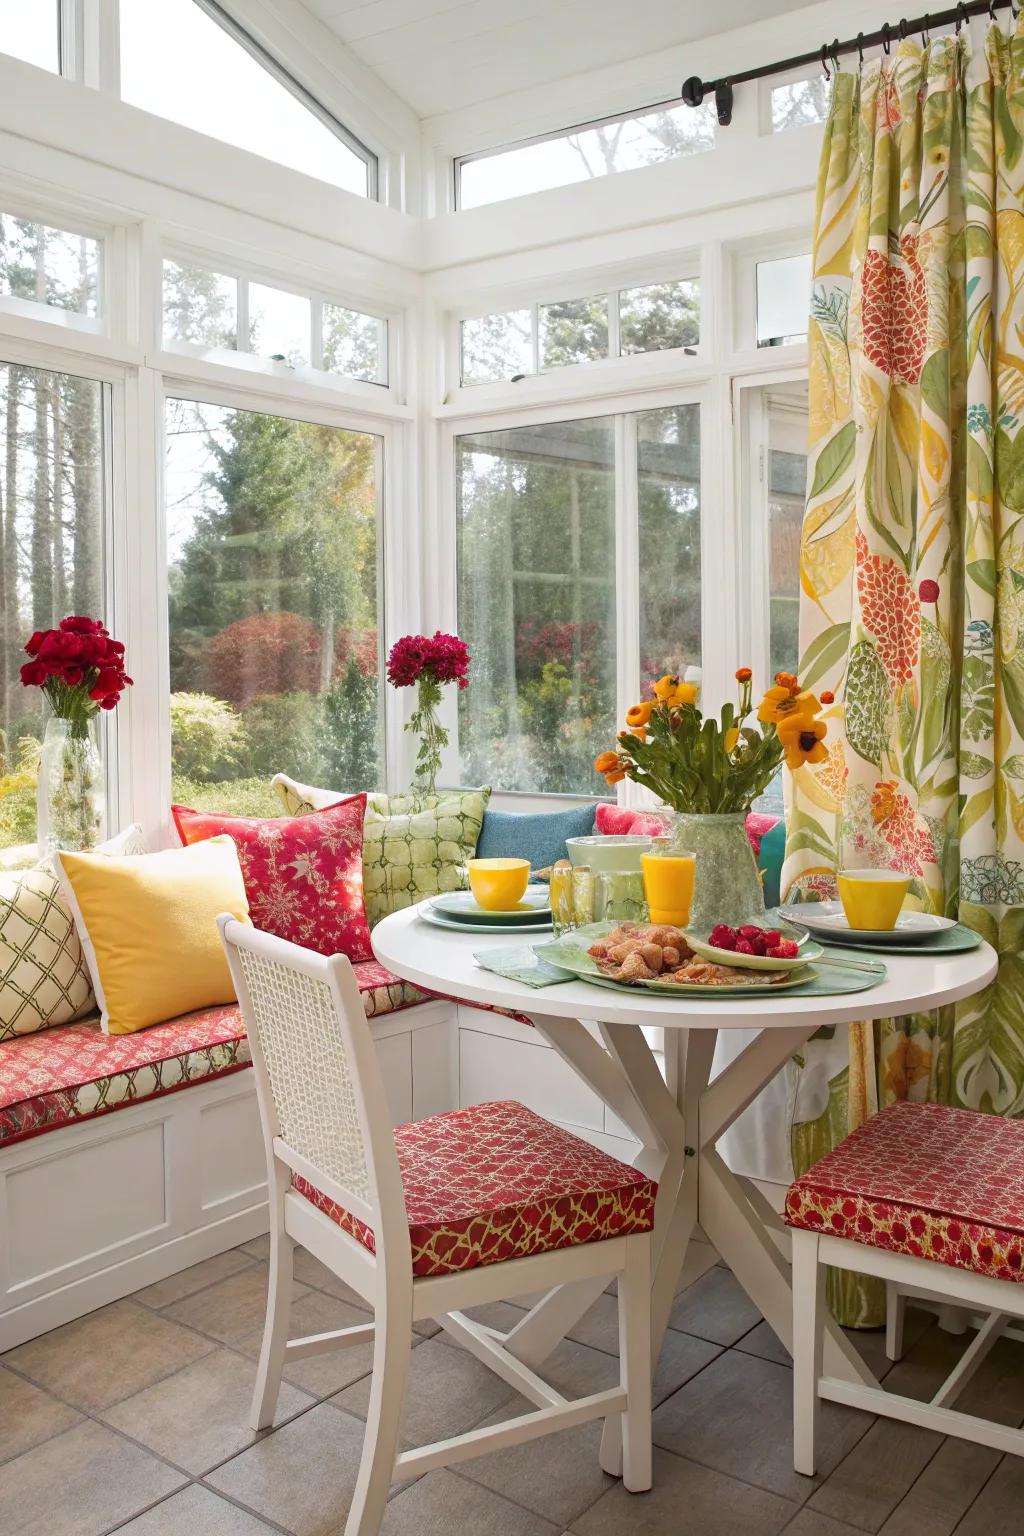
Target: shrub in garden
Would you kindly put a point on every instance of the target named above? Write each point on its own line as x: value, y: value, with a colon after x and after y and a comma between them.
x: 284, y: 732
x: 208, y: 739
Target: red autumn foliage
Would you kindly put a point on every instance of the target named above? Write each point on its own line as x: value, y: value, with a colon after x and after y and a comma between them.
x: 265, y: 653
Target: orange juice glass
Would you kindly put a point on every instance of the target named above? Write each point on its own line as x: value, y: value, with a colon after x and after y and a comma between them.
x: 668, y: 886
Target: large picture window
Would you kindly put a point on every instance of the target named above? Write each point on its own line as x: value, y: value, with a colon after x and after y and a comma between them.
x: 539, y: 509
x: 273, y: 537
x: 52, y: 558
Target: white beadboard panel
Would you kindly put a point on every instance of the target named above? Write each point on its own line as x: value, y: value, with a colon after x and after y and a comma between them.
x: 52, y: 1224
x: 439, y: 56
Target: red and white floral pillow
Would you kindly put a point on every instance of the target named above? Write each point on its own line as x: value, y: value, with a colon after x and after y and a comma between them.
x: 303, y: 875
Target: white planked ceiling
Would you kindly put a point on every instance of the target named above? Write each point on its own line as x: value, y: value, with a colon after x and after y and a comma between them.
x: 440, y: 55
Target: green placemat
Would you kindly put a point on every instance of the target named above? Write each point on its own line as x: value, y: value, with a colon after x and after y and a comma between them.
x: 827, y: 981
x: 522, y: 965
x: 951, y: 941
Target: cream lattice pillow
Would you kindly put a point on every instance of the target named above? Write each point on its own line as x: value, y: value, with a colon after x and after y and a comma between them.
x: 44, y: 979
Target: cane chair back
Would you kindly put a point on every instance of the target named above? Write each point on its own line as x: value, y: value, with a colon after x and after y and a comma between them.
x: 322, y: 1099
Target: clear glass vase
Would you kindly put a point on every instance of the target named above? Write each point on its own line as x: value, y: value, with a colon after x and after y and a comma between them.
x: 70, y: 796
x: 727, y: 886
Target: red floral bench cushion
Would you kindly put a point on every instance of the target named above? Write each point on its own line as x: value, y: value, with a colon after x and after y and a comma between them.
x: 498, y: 1182
x: 927, y: 1180
x: 75, y: 1071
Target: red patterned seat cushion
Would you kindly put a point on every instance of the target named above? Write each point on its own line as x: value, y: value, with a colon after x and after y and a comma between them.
x: 75, y: 1071
x: 924, y: 1179
x: 303, y: 874
x: 498, y: 1182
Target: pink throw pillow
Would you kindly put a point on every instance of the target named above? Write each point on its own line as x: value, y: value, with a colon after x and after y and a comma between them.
x: 619, y: 821
x: 303, y: 874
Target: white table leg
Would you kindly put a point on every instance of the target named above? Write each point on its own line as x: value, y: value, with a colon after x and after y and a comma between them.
x: 735, y: 1215
x: 677, y: 1125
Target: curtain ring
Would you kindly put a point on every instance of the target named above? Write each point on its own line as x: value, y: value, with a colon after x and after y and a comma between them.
x: 824, y: 61
x: 925, y: 39
x: 991, y: 10
x: 886, y: 39
x: 961, y: 16
x: 860, y: 50
x: 903, y: 26
x: 834, y: 54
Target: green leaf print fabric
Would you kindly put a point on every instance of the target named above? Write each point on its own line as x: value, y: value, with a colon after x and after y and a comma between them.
x: 912, y: 556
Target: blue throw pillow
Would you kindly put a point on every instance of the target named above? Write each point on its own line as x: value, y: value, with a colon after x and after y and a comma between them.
x: 539, y: 836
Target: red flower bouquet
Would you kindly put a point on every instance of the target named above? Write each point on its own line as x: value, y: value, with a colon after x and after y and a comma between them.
x: 426, y: 662
x: 79, y: 668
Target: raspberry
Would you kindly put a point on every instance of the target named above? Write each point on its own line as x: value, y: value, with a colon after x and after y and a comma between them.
x: 728, y: 942
x: 744, y: 947
x: 721, y: 931
x: 748, y: 931
x: 760, y: 947
x: 787, y: 950
x: 772, y: 937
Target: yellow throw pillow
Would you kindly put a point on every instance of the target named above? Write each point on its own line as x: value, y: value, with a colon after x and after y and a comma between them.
x: 149, y: 932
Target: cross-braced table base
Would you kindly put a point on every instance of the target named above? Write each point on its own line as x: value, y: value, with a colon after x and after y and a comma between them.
x: 678, y: 1121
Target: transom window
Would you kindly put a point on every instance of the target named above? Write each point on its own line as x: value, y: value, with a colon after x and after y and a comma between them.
x: 30, y: 30
x: 782, y: 287
x: 205, y: 310
x: 540, y: 337
x: 190, y: 63
x: 49, y: 266
x: 615, y: 144
x: 798, y: 103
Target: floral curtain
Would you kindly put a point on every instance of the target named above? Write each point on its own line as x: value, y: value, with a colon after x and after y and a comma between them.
x: 912, y: 558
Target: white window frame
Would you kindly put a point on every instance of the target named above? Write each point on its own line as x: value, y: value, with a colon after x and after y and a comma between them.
x: 118, y: 729
x: 389, y: 344
x: 561, y: 133
x: 609, y: 374
x: 388, y: 480
x: 727, y: 362
x: 623, y: 410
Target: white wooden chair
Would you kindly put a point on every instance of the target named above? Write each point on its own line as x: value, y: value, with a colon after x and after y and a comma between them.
x: 336, y: 1186
x: 929, y: 1199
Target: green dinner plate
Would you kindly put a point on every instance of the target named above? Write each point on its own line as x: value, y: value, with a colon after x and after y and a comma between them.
x: 570, y: 954
x: 464, y: 907
x: 456, y: 924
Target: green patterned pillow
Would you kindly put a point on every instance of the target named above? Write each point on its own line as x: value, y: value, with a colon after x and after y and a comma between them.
x: 413, y: 845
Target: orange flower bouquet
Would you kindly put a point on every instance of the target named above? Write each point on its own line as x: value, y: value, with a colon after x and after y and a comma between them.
x: 710, y: 771
x: 702, y: 766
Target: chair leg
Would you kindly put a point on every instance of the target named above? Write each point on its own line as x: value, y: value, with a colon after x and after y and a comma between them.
x: 635, y: 1363
x: 808, y: 1343
x: 895, y: 1312
x: 275, y: 1329
x: 391, y: 1350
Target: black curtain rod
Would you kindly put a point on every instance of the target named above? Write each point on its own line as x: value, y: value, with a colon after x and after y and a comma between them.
x: 695, y: 89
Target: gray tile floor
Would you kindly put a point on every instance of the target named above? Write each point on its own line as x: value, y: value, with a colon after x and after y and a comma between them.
x: 134, y: 1420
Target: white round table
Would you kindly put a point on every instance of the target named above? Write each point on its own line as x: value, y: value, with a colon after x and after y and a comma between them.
x: 678, y: 1118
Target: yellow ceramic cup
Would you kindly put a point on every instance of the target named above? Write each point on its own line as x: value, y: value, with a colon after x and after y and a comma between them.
x: 499, y: 884
x: 668, y: 886
x: 872, y: 898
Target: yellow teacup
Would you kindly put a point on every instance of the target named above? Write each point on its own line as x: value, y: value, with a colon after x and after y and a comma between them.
x: 499, y: 884
x: 872, y: 898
